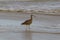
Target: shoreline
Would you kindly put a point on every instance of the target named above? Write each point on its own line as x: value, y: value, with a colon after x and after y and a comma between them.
x: 33, y: 12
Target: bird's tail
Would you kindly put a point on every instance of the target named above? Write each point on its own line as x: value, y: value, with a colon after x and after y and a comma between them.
x: 22, y: 24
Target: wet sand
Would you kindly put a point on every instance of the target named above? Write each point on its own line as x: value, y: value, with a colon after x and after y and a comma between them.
x: 28, y: 36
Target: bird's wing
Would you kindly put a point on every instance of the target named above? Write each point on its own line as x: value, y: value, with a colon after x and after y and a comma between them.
x: 26, y: 21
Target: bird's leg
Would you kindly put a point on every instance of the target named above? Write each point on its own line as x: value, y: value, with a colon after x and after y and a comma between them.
x: 29, y: 27
x: 26, y: 27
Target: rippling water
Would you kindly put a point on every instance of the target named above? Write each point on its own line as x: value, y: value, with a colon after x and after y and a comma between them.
x: 29, y: 5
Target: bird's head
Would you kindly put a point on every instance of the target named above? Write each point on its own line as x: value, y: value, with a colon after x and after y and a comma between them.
x: 33, y: 15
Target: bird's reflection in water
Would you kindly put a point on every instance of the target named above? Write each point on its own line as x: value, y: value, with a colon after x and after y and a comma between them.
x: 28, y: 35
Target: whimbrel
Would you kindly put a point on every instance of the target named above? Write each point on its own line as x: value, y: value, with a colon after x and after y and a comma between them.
x: 28, y: 22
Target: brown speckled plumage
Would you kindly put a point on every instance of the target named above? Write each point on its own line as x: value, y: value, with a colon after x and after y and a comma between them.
x: 28, y: 22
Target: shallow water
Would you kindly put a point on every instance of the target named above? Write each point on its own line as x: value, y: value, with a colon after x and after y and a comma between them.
x: 44, y: 23
x: 44, y: 27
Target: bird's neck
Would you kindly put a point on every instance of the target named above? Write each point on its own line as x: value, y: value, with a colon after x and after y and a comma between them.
x: 31, y: 17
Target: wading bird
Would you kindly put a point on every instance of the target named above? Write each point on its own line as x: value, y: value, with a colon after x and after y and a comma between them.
x: 28, y: 22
